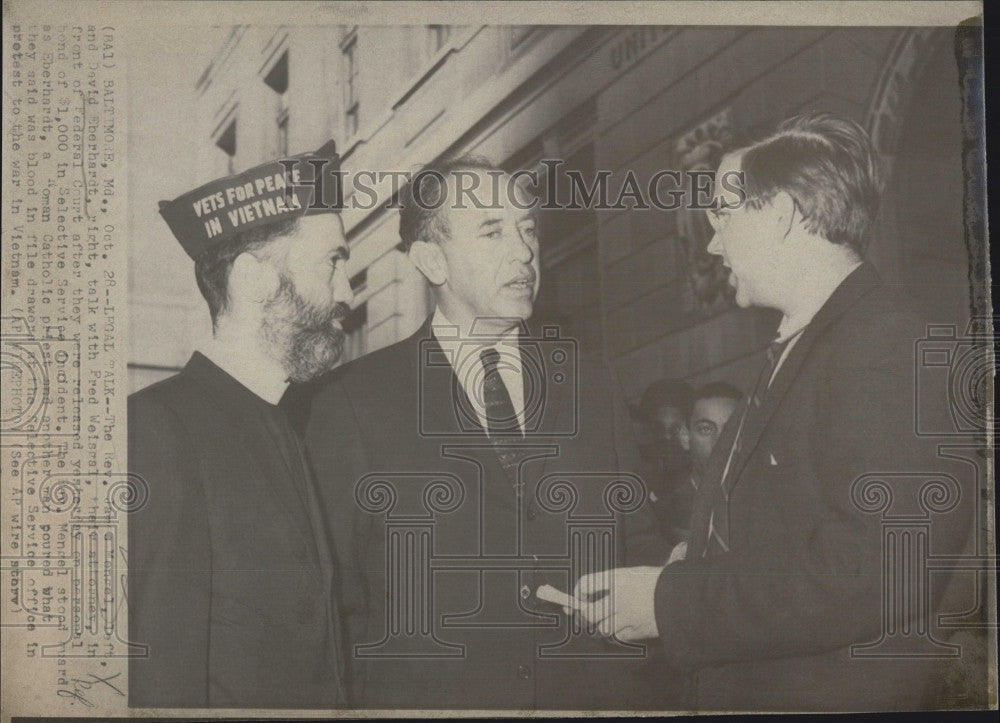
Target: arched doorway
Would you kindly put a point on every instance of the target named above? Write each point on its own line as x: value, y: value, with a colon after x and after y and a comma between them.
x: 915, y: 120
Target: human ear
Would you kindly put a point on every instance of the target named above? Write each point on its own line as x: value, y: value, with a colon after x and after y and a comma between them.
x: 429, y: 259
x: 252, y: 279
x: 784, y: 209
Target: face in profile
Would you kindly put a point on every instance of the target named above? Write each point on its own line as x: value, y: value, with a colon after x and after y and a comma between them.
x: 491, y: 256
x: 742, y: 237
x: 303, y: 318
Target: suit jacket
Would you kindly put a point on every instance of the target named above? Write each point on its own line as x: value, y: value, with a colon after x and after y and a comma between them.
x: 229, y: 583
x: 770, y: 624
x: 483, y: 640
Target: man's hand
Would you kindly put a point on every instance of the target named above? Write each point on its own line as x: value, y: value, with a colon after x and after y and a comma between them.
x: 620, y: 602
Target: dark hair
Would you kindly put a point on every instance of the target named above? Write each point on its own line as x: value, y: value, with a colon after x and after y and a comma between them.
x: 665, y: 393
x: 828, y: 165
x: 717, y: 390
x: 212, y: 267
x: 423, y: 197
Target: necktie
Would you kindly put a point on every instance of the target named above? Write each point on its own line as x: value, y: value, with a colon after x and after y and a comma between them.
x: 501, y: 419
x: 718, y: 523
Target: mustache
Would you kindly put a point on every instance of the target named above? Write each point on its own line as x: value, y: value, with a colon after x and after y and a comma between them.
x: 310, y: 317
x: 340, y: 311
x: 307, y: 315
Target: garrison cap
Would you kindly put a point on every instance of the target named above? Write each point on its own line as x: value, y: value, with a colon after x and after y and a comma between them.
x: 284, y: 188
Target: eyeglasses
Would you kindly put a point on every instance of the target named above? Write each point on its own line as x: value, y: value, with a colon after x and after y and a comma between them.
x: 719, y: 216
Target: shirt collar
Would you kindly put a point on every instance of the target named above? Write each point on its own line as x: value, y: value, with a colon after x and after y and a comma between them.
x: 461, y: 351
x: 448, y: 334
x: 261, y: 375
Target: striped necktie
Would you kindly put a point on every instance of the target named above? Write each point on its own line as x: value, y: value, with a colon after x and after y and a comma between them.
x: 718, y: 523
x: 503, y: 427
x: 501, y: 419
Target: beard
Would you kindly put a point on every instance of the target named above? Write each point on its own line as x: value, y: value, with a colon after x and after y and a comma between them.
x: 303, y: 333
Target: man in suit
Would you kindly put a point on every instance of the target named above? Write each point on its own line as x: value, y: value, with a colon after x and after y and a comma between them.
x: 231, y: 574
x: 471, y: 465
x: 776, y: 602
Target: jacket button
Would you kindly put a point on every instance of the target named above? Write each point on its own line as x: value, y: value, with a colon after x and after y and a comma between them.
x: 523, y: 672
x: 525, y: 592
x: 531, y: 514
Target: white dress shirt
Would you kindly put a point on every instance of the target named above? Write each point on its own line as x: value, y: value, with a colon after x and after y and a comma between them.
x: 463, y: 353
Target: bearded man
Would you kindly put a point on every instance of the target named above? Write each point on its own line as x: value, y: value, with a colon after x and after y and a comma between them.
x: 231, y: 579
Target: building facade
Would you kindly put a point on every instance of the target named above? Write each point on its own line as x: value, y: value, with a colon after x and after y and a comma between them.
x: 632, y: 285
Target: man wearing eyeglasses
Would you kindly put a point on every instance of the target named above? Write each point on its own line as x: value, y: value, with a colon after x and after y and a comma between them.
x: 777, y: 601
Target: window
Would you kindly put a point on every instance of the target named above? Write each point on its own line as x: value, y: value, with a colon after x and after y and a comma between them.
x: 277, y: 80
x: 356, y: 333
x: 356, y: 319
x: 437, y: 37
x: 359, y: 281
x: 277, y: 77
x: 350, y: 71
x: 226, y: 141
x: 355, y: 324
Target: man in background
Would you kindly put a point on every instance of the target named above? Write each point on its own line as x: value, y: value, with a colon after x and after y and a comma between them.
x: 231, y: 574
x: 711, y: 407
x: 663, y: 411
x: 713, y: 404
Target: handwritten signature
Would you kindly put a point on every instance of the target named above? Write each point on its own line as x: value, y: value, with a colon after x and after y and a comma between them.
x: 84, y: 685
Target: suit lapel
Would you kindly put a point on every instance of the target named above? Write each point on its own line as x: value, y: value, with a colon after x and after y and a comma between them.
x: 442, y: 402
x: 540, y: 407
x: 447, y: 407
x: 858, y: 283
x: 444, y: 405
